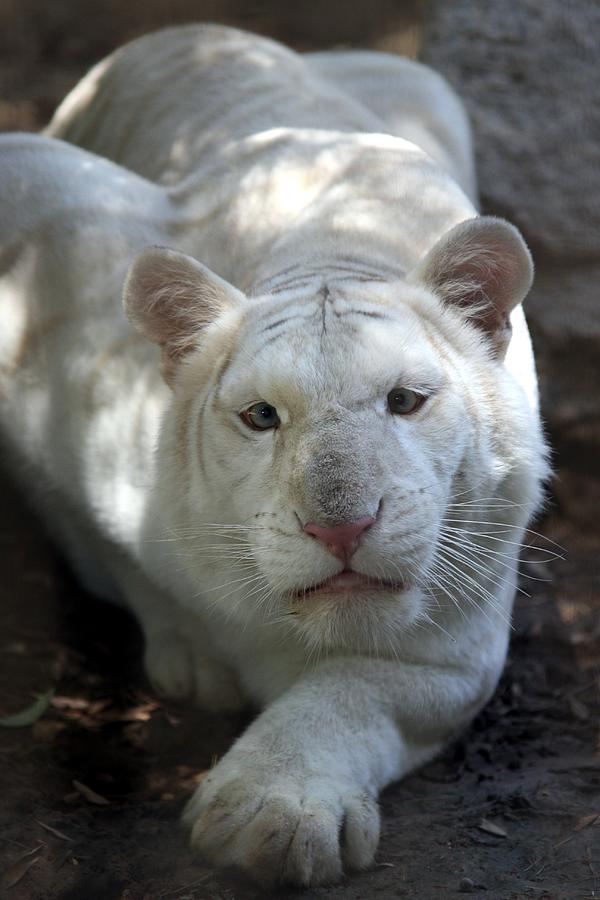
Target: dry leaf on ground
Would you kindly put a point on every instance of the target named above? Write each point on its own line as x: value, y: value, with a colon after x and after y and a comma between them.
x: 89, y: 794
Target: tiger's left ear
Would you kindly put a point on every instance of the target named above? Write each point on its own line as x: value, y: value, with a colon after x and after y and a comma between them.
x: 483, y: 268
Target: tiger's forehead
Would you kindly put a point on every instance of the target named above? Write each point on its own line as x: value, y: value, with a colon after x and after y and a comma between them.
x: 322, y: 305
x: 336, y: 340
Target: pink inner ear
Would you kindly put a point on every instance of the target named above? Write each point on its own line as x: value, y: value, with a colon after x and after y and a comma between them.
x: 170, y: 297
x: 162, y: 295
x: 482, y: 266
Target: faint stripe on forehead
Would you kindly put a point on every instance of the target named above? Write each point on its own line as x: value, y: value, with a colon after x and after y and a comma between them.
x: 283, y: 329
x: 361, y: 277
x: 370, y: 313
x: 340, y: 274
x: 285, y: 311
x: 295, y: 284
x: 283, y: 282
x: 342, y: 268
x: 279, y: 322
x: 295, y: 316
x: 379, y: 267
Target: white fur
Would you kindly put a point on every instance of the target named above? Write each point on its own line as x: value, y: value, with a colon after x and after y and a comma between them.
x: 271, y: 169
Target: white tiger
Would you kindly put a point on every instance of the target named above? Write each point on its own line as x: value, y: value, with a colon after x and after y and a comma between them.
x: 319, y: 508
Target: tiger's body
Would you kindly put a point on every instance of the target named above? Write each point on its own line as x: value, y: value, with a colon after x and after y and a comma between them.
x: 336, y: 192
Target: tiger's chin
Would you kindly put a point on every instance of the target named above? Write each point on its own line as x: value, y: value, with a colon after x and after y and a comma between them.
x: 365, y: 616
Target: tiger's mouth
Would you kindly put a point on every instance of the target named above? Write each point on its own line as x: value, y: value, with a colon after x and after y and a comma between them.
x: 348, y: 582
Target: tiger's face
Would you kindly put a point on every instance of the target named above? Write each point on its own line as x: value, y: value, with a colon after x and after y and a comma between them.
x: 330, y: 448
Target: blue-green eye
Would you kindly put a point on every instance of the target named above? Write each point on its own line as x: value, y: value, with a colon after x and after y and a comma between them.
x: 260, y: 416
x: 403, y: 401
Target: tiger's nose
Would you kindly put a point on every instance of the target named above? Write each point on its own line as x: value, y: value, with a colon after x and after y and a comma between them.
x: 341, y: 540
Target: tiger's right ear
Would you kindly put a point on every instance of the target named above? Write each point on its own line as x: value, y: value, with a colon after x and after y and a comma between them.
x: 170, y: 298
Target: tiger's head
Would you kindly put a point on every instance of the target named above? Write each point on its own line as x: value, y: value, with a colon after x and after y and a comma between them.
x: 334, y: 445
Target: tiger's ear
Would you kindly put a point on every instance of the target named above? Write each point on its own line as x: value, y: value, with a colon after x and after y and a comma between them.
x: 483, y: 268
x: 170, y: 298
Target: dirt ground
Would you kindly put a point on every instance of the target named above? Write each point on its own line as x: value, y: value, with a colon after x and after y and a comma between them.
x: 92, y: 792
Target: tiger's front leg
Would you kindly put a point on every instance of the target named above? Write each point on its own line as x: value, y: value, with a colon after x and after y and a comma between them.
x: 295, y: 799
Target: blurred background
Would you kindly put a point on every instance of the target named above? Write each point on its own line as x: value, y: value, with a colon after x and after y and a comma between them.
x: 528, y: 72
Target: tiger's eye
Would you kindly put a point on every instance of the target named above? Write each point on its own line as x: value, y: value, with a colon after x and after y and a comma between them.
x: 402, y: 401
x: 260, y: 416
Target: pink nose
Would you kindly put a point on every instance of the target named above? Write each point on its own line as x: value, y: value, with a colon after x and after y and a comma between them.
x: 341, y: 540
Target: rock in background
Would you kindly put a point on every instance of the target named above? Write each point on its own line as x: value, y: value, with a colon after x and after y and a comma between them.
x: 529, y: 74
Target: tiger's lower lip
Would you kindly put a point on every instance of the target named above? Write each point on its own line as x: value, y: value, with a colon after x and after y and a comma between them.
x: 348, y: 582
